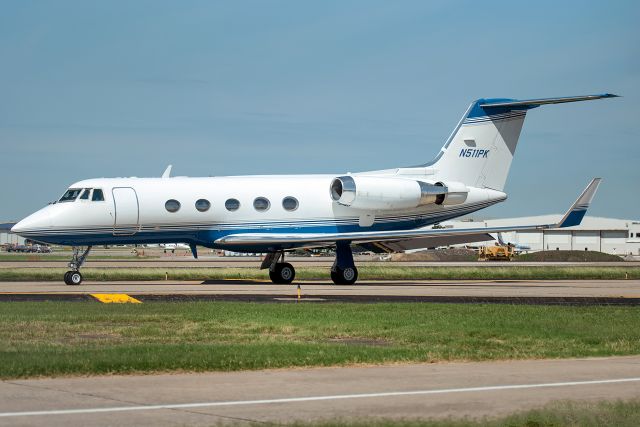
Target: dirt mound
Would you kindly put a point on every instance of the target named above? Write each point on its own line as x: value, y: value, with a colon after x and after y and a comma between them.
x: 568, y: 256
x: 438, y: 255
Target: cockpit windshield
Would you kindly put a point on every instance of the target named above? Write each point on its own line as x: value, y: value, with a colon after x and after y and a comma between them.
x: 70, y: 195
x: 98, y: 196
x: 85, y: 194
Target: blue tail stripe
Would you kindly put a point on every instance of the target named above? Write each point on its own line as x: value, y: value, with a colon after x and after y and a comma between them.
x: 574, y: 218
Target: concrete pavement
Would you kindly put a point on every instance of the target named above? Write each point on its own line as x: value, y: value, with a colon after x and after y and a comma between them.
x: 394, y: 391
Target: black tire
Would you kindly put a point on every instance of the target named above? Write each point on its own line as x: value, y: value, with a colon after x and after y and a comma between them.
x: 273, y: 275
x: 344, y: 276
x: 335, y: 277
x: 283, y: 273
x: 73, y: 278
x: 66, y: 278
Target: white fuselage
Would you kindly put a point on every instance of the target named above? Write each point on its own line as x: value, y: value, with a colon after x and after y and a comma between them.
x: 134, y: 211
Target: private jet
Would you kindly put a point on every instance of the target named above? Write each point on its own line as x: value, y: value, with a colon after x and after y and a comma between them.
x: 383, y: 210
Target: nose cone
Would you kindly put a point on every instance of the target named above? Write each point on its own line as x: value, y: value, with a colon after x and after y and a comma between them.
x: 40, y: 220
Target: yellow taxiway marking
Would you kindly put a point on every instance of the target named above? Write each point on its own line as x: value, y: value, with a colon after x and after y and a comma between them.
x: 115, y: 298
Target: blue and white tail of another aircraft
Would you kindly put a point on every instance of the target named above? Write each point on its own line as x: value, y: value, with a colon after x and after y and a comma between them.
x: 384, y: 210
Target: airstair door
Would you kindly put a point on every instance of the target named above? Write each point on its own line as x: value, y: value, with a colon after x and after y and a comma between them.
x: 125, y: 204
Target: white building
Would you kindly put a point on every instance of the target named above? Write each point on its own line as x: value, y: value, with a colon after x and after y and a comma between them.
x: 613, y: 236
x: 7, y: 237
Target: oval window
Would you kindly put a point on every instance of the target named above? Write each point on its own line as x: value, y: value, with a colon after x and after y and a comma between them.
x: 202, y: 205
x: 261, y: 204
x: 172, y: 205
x: 232, y: 205
x: 290, y: 203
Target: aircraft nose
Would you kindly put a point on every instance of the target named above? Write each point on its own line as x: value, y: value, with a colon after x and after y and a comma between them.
x: 36, y: 221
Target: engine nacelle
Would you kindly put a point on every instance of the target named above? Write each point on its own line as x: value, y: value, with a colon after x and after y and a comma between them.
x: 455, y: 193
x: 377, y: 193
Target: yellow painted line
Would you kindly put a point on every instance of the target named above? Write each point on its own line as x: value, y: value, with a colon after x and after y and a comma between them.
x: 115, y: 298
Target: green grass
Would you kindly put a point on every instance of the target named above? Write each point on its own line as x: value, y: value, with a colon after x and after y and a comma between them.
x: 513, y: 272
x: 565, y: 413
x: 87, y: 338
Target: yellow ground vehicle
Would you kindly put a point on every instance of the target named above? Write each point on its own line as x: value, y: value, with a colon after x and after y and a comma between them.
x: 496, y: 253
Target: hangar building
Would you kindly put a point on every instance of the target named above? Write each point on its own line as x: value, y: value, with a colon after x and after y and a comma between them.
x: 610, y: 235
x: 7, y: 237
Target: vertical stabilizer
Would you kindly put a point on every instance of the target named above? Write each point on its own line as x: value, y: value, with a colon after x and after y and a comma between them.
x: 480, y: 150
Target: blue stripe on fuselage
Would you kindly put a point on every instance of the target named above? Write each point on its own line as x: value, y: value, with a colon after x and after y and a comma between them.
x: 207, y: 237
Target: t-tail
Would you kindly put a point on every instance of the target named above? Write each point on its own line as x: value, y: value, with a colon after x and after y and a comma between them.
x: 480, y: 149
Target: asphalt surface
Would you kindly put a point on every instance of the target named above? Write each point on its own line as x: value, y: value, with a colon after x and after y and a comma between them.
x: 440, y: 390
x: 254, y: 262
x: 570, y: 292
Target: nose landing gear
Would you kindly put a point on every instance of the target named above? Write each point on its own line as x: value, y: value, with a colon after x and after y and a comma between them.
x: 73, y: 276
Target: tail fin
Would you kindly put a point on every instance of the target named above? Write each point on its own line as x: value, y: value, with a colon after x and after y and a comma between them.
x: 579, y: 208
x: 480, y: 149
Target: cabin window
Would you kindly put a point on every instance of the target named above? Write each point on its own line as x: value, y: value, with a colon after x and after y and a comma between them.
x: 172, y: 205
x: 98, y: 196
x: 85, y: 194
x: 261, y: 204
x: 232, y: 205
x: 70, y: 195
x: 202, y: 205
x: 290, y: 203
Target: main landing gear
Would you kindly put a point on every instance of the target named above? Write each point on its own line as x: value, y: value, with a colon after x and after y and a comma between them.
x: 73, y: 276
x: 280, y: 272
x: 343, y: 271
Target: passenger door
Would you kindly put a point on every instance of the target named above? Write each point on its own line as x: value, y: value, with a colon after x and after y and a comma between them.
x: 125, y: 204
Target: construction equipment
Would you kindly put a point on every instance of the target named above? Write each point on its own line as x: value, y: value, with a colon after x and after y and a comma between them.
x: 496, y: 253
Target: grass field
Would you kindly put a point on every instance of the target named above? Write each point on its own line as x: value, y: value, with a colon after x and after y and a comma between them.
x: 513, y: 272
x: 86, y: 338
x: 572, y: 414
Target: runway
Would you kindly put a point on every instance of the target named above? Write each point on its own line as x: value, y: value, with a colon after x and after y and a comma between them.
x: 393, y: 391
x: 568, y: 292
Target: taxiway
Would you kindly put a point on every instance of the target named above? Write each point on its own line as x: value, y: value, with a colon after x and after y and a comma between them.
x: 575, y: 292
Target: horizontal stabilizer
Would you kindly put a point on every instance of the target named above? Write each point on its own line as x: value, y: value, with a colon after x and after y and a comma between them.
x: 532, y: 103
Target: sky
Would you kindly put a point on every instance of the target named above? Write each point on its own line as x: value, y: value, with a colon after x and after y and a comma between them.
x: 124, y: 88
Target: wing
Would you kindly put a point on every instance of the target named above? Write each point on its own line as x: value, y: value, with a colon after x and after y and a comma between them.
x: 438, y: 237
x: 389, y: 246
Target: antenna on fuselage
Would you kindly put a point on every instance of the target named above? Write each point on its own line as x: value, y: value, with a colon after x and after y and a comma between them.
x: 167, y: 172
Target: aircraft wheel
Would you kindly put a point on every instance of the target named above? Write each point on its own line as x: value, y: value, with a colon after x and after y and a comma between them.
x: 283, y: 273
x: 72, y: 278
x: 344, y: 276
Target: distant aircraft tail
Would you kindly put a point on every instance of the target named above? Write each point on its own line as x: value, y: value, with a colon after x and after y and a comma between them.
x: 480, y: 149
